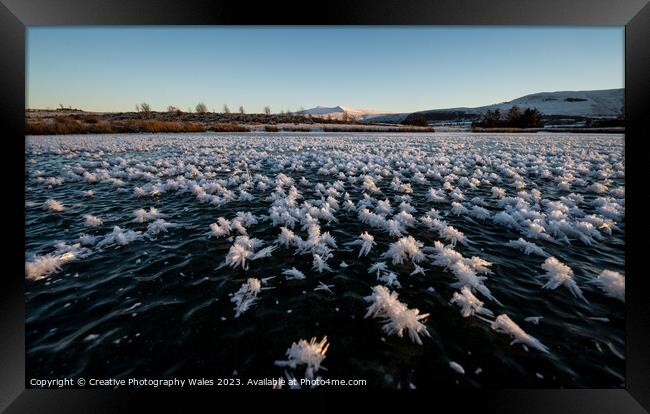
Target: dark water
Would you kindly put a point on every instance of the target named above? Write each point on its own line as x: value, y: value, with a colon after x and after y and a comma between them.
x: 158, y: 308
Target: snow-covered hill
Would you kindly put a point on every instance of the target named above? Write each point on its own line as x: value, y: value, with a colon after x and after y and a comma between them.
x: 324, y: 110
x: 607, y: 102
x: 597, y: 103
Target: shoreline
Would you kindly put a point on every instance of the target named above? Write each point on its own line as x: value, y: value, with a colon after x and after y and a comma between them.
x: 43, y: 122
x: 77, y: 122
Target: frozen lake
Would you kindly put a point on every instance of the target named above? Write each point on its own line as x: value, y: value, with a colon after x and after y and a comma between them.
x: 161, y: 255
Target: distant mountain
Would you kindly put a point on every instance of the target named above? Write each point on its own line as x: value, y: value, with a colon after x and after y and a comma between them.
x: 324, y: 110
x: 338, y: 112
x: 598, y: 103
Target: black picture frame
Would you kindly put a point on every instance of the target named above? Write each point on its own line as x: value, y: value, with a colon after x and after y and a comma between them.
x: 16, y: 15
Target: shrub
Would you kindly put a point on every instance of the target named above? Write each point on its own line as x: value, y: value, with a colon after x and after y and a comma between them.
x: 192, y: 127
x: 174, y: 110
x: 135, y: 125
x: 228, y: 127
x: 164, y: 126
x: 101, y: 127
x: 59, y: 126
x: 143, y: 107
x: 37, y: 128
x: 201, y: 108
x: 91, y: 119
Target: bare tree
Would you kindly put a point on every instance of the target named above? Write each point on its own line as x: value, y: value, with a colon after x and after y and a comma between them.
x: 226, y: 110
x: 241, y: 109
x: 201, y: 108
x: 143, y: 107
x: 172, y: 108
x: 267, y: 110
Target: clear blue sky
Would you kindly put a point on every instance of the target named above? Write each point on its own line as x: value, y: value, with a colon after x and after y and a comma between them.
x: 398, y: 69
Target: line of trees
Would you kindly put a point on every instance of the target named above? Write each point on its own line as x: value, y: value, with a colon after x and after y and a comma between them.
x: 514, y: 118
x: 348, y: 117
x: 200, y: 108
x: 293, y: 116
x: 418, y: 120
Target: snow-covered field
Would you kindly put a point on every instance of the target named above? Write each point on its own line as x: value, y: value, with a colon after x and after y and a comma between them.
x: 407, y: 260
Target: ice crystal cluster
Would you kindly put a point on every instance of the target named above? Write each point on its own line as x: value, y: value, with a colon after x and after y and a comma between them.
x: 310, y: 354
x: 396, y: 316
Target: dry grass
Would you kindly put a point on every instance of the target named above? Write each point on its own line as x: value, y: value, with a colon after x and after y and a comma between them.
x: 163, y: 126
x: 93, y: 125
x: 60, y: 126
x: 49, y: 128
x: 228, y: 127
x: 89, y: 119
x: 296, y: 129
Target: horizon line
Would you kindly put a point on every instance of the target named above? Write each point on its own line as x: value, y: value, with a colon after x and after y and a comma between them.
x: 72, y: 108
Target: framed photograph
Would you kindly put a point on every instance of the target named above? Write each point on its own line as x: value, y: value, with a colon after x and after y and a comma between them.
x: 422, y: 203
